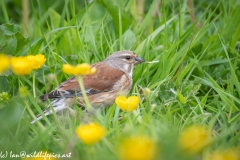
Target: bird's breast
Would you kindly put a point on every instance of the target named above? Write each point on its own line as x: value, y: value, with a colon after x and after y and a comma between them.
x: 124, y: 85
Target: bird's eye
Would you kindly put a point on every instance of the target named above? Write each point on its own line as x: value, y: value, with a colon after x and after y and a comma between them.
x: 128, y: 57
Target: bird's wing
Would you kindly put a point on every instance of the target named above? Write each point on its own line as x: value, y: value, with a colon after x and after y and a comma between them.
x: 102, y: 81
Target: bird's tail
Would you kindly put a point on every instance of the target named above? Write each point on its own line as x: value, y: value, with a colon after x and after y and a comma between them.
x: 57, y: 104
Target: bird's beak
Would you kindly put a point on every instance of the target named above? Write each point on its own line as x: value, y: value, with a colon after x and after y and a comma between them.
x: 138, y: 60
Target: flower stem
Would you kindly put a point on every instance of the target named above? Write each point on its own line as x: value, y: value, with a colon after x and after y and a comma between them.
x: 87, y: 102
x: 34, y: 89
x: 32, y: 114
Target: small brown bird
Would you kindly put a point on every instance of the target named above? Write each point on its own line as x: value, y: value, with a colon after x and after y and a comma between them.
x: 112, y: 78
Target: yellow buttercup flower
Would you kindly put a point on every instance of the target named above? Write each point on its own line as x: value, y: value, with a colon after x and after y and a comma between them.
x: 24, y: 65
x: 80, y: 69
x: 127, y: 104
x: 230, y: 154
x: 4, y: 63
x: 67, y: 69
x: 90, y: 133
x: 37, y: 60
x: 194, y: 139
x: 137, y: 148
x: 21, y: 65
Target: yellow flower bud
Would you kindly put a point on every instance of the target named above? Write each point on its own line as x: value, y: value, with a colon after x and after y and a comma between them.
x: 90, y: 133
x: 127, y: 104
x: 146, y: 91
x: 51, y: 77
x: 4, y: 97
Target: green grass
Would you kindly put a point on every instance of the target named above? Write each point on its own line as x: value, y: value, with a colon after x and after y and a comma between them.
x: 199, y: 59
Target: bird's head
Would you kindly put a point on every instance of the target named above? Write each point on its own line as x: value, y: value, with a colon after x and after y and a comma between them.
x: 123, y: 60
